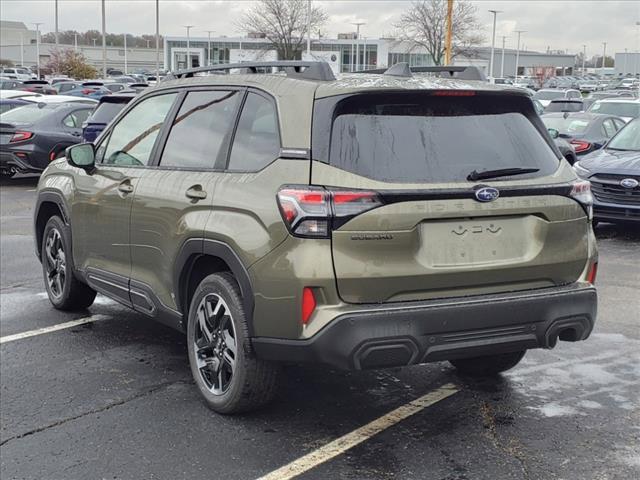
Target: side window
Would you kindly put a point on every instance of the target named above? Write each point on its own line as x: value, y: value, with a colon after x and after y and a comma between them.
x: 131, y: 140
x: 608, y: 128
x: 619, y: 123
x: 77, y: 118
x: 257, y: 142
x: 201, y: 129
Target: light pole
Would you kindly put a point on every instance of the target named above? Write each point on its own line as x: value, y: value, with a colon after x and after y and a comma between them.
x: 504, y: 39
x: 94, y: 40
x: 158, y: 40
x: 37, y: 24
x: 104, y: 43
x: 75, y: 41
x: 209, y: 32
x: 519, y: 32
x: 624, y: 68
x: 604, y: 55
x: 309, y: 28
x: 188, y: 27
x: 56, y: 18
x: 21, y: 49
x: 125, y: 53
x: 357, y: 25
x: 584, y: 57
x: 493, y: 40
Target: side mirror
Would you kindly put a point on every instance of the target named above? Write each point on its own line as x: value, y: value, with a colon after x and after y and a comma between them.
x: 553, y: 132
x: 81, y: 155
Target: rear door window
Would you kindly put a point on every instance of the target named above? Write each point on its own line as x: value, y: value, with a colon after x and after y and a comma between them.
x: 77, y: 118
x: 106, y: 111
x: 201, y: 130
x: 256, y: 142
x: 426, y: 138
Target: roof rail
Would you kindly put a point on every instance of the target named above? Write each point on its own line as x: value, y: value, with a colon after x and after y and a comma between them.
x: 311, y: 70
x: 445, y: 71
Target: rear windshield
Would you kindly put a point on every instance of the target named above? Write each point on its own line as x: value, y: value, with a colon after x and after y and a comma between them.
x: 540, y: 95
x: 564, y: 107
x: 105, y: 112
x: 620, y: 109
x: 567, y: 126
x: 28, y: 113
x: 628, y: 138
x: 425, y: 138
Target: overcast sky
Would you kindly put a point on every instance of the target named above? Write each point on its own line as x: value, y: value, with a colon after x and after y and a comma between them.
x: 558, y: 24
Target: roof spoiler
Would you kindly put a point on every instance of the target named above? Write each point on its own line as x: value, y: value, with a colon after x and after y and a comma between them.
x: 312, y: 70
x: 403, y: 69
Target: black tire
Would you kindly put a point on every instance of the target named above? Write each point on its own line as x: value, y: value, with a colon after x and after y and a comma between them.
x: 250, y: 382
x: 65, y: 291
x: 489, y: 365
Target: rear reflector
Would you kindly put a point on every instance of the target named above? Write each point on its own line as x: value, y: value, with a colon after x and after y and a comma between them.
x: 308, y: 304
x: 591, y: 276
x: 20, y: 136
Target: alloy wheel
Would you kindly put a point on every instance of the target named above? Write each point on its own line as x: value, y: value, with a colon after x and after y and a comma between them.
x: 215, y: 344
x: 55, y: 263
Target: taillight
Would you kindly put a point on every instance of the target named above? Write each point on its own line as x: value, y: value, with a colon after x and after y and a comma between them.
x: 20, y: 136
x: 593, y: 271
x: 580, y: 145
x: 87, y: 91
x: 581, y: 192
x: 308, y: 304
x: 313, y: 211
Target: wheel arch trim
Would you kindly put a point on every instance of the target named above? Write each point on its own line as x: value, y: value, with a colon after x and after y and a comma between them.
x: 50, y: 196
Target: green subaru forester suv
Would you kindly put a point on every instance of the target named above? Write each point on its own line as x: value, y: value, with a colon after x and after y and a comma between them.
x: 275, y: 213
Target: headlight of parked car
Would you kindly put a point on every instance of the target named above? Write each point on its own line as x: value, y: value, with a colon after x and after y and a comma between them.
x: 580, y: 170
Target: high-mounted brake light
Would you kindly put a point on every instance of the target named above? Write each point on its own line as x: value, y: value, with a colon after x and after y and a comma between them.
x: 580, y: 145
x: 581, y: 192
x: 312, y: 211
x: 454, y: 93
x: 20, y: 136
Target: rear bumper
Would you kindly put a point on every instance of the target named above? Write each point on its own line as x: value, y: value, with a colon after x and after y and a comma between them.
x: 9, y: 160
x: 404, y: 334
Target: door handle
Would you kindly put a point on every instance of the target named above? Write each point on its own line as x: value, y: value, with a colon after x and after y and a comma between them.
x: 196, y: 193
x: 125, y: 186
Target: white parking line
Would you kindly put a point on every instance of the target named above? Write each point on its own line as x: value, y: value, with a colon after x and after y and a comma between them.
x: 52, y: 328
x: 350, y: 440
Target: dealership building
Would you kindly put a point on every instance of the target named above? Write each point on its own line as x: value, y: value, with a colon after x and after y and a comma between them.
x: 345, y: 54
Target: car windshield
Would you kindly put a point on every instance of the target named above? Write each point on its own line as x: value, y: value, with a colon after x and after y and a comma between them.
x: 401, y: 138
x: 28, y: 113
x: 621, y: 109
x: 628, y: 138
x: 567, y: 126
x: 541, y: 95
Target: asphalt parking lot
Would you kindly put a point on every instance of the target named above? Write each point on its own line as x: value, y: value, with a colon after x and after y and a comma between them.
x: 113, y: 398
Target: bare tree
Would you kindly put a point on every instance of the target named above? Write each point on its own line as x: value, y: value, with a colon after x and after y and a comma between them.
x: 284, y: 24
x: 425, y: 23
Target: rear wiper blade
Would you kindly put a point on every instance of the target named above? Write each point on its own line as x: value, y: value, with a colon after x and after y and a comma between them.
x: 501, y: 172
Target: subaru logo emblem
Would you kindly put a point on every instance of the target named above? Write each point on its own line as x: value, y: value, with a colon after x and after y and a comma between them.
x: 487, y: 194
x: 629, y: 183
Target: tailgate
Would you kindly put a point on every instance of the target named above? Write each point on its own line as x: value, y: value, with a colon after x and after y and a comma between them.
x: 432, y: 249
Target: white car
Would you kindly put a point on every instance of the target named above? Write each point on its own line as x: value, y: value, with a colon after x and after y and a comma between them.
x: 17, y: 73
x: 545, y: 95
x: 627, y: 109
x: 59, y: 99
x: 17, y: 94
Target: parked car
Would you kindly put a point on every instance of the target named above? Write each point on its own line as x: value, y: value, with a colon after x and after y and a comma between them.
x: 614, y: 173
x: 627, y: 109
x: 18, y: 94
x: 33, y: 135
x: 64, y: 87
x: 38, y: 86
x: 566, y: 149
x: 10, y: 84
x: 107, y: 109
x: 7, y: 104
x: 545, y: 95
x: 56, y: 80
x: 115, y: 87
x: 589, y: 85
x: 381, y: 250
x: 585, y: 131
x: 565, y: 105
x: 95, y: 90
x: 17, y: 73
